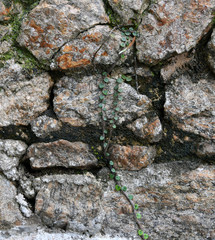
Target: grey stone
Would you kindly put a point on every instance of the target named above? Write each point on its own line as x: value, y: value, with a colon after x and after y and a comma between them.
x: 11, y: 151
x: 211, y: 52
x: 147, y: 128
x: 100, y: 41
x: 23, y: 205
x: 71, y: 201
x: 190, y: 104
x: 206, y: 149
x: 22, y: 99
x: 5, y: 10
x: 176, y: 200
x: 5, y: 45
x: 129, y: 10
x: 9, y: 210
x: 172, y: 27
x: 53, y: 23
x: 43, y: 126
x: 131, y: 157
x: 61, y: 153
x: 77, y: 102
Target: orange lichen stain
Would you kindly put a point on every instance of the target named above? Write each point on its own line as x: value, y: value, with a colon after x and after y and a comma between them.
x: 66, y: 61
x: 70, y: 48
x: 36, y: 27
x: 82, y: 50
x: 96, y: 37
x: 50, y: 27
x: 48, y: 51
x: 5, y: 12
x: 44, y: 44
x: 104, y: 54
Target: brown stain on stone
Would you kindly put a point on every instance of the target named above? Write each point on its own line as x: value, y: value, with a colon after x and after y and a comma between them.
x: 66, y: 61
x: 96, y: 37
x: 36, y: 27
x: 5, y: 12
x: 104, y: 54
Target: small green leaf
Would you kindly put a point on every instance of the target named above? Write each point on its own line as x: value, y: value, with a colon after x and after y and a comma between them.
x: 117, y: 109
x: 128, y: 79
x: 100, y: 105
x: 124, y: 77
x: 122, y: 56
x: 107, y: 154
x: 115, y: 103
x: 102, y: 138
x: 123, y: 28
x: 120, y: 98
x: 113, y: 170
x: 105, y: 145
x: 140, y: 232
x: 104, y: 118
x: 122, y: 33
x: 138, y: 215
x: 111, y: 121
x: 114, y: 126
x: 124, y: 188
x: 118, y: 188
x: 101, y: 85
x: 105, y: 92
x: 116, y: 118
x: 117, y: 178
x: 101, y: 97
x: 127, y: 33
x: 116, y: 87
x: 105, y: 131
x: 106, y: 80
x: 131, y: 29
x: 111, y: 163
x: 104, y: 109
x: 119, y: 80
x: 130, y: 197
x: 115, y: 94
x: 122, y: 44
x: 123, y: 39
x: 120, y: 90
x: 104, y: 101
x: 146, y: 236
x: 111, y: 176
x: 104, y: 74
x: 134, y: 34
x: 136, y: 206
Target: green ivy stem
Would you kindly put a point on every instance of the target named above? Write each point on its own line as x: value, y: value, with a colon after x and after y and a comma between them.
x: 104, y: 125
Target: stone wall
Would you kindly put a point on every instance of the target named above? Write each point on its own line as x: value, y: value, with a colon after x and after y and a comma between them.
x: 152, y: 65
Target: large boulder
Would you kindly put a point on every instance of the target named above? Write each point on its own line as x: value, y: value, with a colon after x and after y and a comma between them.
x: 22, y: 98
x: 173, y: 27
x: 53, y: 23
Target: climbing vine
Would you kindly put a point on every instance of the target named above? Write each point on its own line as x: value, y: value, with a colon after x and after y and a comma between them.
x: 109, y: 121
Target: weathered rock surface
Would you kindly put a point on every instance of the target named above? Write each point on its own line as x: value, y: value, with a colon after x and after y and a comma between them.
x: 53, y: 23
x: 76, y: 102
x: 11, y: 152
x: 211, y: 52
x: 131, y: 157
x: 173, y: 27
x: 190, y: 103
x: 71, y: 201
x: 129, y: 10
x: 22, y: 99
x: 79, y: 52
x: 61, y: 153
x: 149, y: 128
x: 4, y: 45
x: 176, y: 200
x: 206, y: 149
x: 9, y: 210
x: 5, y: 9
x: 44, y: 125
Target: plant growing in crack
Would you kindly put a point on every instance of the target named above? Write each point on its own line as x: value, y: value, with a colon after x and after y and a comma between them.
x: 110, y: 98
